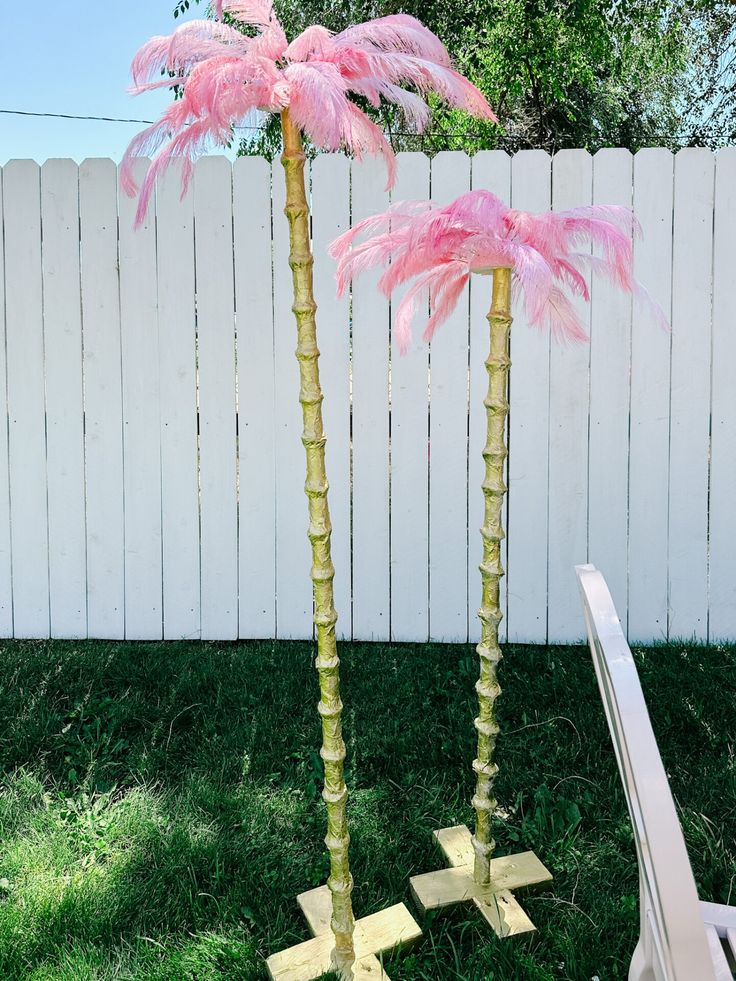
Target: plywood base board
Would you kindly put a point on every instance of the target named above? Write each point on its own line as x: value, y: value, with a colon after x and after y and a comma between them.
x: 456, y: 884
x: 381, y: 933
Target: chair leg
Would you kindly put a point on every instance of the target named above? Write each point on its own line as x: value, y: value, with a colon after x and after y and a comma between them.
x: 641, y: 966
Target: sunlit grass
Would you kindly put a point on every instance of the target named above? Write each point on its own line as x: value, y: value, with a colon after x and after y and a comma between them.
x: 160, y: 810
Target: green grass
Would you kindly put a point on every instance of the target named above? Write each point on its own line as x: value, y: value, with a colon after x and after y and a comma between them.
x: 159, y: 809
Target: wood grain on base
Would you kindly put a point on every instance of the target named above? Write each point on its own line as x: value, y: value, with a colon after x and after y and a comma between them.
x: 379, y: 933
x: 456, y: 844
x: 456, y: 884
x: 503, y: 913
x: 316, y: 906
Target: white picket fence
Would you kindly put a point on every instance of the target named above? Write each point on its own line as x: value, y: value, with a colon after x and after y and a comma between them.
x: 151, y: 471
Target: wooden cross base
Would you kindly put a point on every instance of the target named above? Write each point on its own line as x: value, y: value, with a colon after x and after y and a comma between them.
x: 374, y: 935
x: 456, y: 884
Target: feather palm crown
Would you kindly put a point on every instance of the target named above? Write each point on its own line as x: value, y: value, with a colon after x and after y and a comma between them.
x: 439, y: 247
x: 224, y: 75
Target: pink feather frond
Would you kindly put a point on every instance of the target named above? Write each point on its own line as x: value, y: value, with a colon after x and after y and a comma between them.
x: 427, y: 76
x: 318, y: 103
x: 407, y: 307
x: 319, y: 106
x: 271, y: 40
x: 399, y: 33
x: 436, y: 248
x: 415, y: 110
x: 189, y: 44
x: 199, y: 39
x: 147, y: 142
x: 258, y: 13
x: 561, y: 319
x: 364, y: 136
x: 445, y: 291
x: 222, y: 74
x: 315, y: 41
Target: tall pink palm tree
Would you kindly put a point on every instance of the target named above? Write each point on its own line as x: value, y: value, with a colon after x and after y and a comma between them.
x: 223, y: 75
x: 438, y: 248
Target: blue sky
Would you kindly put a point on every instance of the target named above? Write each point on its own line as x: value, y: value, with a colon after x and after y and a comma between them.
x: 74, y: 57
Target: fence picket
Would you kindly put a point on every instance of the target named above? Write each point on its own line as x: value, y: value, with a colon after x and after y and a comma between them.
x: 569, y: 379
x: 62, y: 324
x: 491, y: 169
x: 330, y: 218
x: 410, y: 449
x: 650, y: 392
x: 255, y: 366
x: 448, y: 441
x: 212, y: 188
x: 98, y: 212
x: 610, y: 361
x: 692, y: 268
x: 722, y: 531
x: 178, y: 391
x: 141, y: 420
x: 370, y: 340
x: 6, y: 582
x: 293, y: 557
x: 528, y: 465
x: 25, y: 367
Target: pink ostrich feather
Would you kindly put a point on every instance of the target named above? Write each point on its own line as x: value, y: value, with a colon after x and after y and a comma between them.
x: 439, y: 247
x: 223, y: 75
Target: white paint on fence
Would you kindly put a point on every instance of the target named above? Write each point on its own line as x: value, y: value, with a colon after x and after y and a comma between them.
x: 331, y: 217
x: 216, y: 385
x: 649, y: 418
x: 141, y: 421
x: 491, y: 170
x: 103, y: 405
x: 6, y: 580
x: 370, y: 338
x: 569, y: 397
x: 528, y: 520
x: 610, y: 357
x: 151, y: 468
x: 692, y: 267
x: 410, y: 452
x: 722, y: 529
x: 177, y: 361
x: 255, y: 366
x: 448, y: 441
x: 62, y: 326
x: 27, y: 450
x: 293, y: 591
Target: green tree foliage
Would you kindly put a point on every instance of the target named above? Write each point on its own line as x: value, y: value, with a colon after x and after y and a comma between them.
x: 708, y: 95
x: 561, y: 73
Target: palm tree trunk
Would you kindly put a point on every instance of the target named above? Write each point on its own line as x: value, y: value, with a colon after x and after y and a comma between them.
x: 491, y: 570
x: 335, y: 792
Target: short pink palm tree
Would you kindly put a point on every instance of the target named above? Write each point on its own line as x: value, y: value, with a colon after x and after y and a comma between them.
x: 438, y: 248
x: 224, y: 75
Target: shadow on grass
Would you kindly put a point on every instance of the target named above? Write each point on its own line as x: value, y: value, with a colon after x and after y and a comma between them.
x: 160, y: 809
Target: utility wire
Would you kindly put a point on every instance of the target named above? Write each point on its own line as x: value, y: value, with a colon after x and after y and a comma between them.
x: 722, y: 130
x: 116, y: 119
x: 68, y: 115
x: 99, y: 119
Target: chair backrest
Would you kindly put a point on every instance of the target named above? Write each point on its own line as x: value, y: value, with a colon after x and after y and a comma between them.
x: 670, y: 906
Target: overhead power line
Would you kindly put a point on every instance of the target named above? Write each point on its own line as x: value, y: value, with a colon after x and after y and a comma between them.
x: 117, y: 119
x: 69, y: 115
x: 97, y: 119
x: 722, y: 131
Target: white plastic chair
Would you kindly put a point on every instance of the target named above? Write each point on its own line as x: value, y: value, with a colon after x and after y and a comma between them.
x: 680, y: 939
